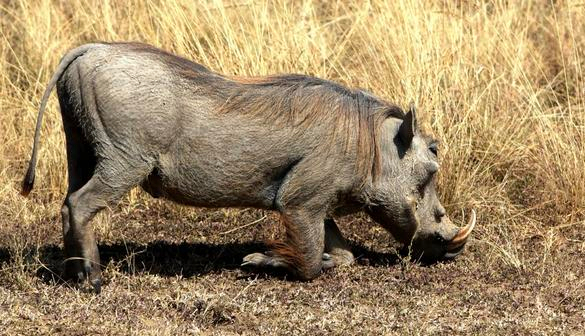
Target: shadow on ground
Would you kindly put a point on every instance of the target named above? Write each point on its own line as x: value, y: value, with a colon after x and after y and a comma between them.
x: 179, y: 259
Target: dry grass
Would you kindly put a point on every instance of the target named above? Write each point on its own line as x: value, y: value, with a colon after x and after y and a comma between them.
x: 501, y: 84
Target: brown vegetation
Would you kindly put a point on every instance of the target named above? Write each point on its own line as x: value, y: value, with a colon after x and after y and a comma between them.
x: 501, y: 84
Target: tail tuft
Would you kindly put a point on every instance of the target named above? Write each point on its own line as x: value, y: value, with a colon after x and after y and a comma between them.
x: 29, y: 180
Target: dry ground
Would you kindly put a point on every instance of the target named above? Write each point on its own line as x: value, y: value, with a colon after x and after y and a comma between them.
x: 169, y: 275
x: 500, y: 84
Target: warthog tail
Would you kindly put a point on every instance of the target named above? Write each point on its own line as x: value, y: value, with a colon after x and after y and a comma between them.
x: 29, y: 178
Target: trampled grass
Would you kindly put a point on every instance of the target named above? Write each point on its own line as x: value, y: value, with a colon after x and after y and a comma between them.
x: 500, y: 84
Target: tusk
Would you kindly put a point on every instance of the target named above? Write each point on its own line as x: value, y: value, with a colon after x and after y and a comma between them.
x: 461, y: 237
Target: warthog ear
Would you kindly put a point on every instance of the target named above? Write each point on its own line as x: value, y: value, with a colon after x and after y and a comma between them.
x: 408, y: 127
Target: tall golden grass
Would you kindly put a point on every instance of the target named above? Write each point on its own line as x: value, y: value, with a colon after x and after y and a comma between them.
x: 500, y: 83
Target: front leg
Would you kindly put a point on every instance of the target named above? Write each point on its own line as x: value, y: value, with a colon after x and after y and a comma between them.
x: 303, y: 200
x: 337, y: 251
x: 302, y: 251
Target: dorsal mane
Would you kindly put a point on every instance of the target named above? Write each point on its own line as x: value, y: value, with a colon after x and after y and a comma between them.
x: 310, y: 98
x: 352, y: 116
x: 298, y: 81
x: 293, y: 81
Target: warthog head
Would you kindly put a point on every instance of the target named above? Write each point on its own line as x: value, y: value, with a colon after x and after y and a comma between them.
x: 404, y: 199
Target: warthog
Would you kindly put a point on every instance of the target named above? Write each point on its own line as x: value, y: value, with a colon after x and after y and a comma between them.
x: 308, y: 148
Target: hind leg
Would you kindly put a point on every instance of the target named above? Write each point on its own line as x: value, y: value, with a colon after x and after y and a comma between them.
x: 81, y: 164
x: 110, y: 181
x: 81, y: 253
x: 100, y: 171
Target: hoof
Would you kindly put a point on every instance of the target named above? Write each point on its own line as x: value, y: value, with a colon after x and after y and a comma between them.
x: 79, y: 272
x: 263, y: 260
x: 97, y: 285
x: 327, y: 261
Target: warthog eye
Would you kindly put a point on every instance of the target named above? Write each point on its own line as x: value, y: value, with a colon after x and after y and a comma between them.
x: 434, y: 148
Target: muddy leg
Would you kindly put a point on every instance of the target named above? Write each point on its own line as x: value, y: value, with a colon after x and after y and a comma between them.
x: 337, y: 251
x: 302, y: 252
x: 81, y: 164
x: 107, y: 185
x: 82, y: 257
x: 303, y: 200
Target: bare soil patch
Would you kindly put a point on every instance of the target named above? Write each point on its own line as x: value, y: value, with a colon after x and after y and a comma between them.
x: 166, y: 275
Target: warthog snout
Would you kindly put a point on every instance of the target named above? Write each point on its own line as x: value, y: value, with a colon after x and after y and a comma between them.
x: 445, y: 242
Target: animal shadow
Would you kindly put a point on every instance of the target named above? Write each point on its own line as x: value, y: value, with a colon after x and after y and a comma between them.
x: 182, y: 259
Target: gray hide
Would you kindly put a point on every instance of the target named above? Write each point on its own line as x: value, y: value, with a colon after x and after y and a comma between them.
x: 305, y: 147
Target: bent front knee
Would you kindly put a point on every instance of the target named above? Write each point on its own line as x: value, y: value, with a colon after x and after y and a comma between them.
x: 309, y: 271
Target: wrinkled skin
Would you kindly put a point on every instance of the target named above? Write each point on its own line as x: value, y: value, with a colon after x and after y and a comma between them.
x: 135, y: 115
x: 405, y: 198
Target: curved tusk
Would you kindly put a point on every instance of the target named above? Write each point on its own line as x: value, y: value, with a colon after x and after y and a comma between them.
x: 461, y: 237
